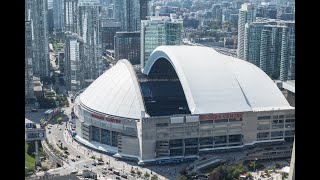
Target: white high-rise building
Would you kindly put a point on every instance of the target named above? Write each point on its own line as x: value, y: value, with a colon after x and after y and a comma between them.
x: 73, y: 64
x: 71, y: 12
x: 247, y: 14
x: 89, y: 30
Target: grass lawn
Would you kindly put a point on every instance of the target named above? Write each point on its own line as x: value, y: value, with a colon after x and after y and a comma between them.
x: 29, y: 161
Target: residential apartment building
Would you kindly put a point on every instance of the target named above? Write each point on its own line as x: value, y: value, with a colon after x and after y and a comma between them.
x: 247, y: 14
x: 38, y: 14
x: 73, y: 62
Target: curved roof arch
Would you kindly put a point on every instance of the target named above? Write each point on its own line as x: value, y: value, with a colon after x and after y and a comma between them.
x: 216, y: 83
x: 116, y: 92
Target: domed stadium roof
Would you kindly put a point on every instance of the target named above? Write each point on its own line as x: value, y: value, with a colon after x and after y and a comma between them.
x: 211, y: 82
x: 116, y: 92
x: 216, y: 83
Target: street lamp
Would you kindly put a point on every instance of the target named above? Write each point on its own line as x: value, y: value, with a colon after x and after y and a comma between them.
x: 254, y: 165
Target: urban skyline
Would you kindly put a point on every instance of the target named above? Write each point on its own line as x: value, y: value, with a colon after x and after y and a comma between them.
x: 176, y: 86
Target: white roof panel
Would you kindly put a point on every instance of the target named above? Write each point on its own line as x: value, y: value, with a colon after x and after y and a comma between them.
x: 216, y: 83
x: 116, y: 92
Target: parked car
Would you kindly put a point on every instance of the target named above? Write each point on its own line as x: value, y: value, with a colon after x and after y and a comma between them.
x: 118, y: 178
x: 86, y: 166
x: 124, y: 176
x: 34, y: 110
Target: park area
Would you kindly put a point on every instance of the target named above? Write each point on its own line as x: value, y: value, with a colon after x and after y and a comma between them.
x: 29, y: 161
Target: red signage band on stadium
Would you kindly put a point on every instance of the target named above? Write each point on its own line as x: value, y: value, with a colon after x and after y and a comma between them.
x: 219, y: 116
x: 106, y: 118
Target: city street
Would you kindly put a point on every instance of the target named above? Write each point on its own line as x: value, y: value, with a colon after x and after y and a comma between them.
x: 75, y: 149
x: 35, y: 116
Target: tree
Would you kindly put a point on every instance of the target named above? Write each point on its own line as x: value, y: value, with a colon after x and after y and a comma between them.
x: 183, y: 171
x: 146, y: 175
x: 154, y: 177
x: 59, y: 120
x: 182, y: 178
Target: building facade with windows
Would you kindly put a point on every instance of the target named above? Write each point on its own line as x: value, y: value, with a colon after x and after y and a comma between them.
x: 28, y: 61
x: 270, y: 45
x: 37, y: 11
x: 89, y: 24
x: 109, y: 27
x: 73, y: 62
x: 127, y: 46
x: 58, y: 15
x: 157, y: 31
x: 247, y: 14
x: 172, y: 112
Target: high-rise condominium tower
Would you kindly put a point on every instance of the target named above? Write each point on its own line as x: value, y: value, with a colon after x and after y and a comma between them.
x: 38, y: 10
x: 247, y: 14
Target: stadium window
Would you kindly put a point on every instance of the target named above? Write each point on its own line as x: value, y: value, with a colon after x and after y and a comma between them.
x: 235, y: 120
x: 221, y: 121
x: 263, y: 135
x: 264, y: 117
x: 234, y: 138
x: 275, y: 117
x: 206, y: 122
x: 289, y: 120
x: 277, y: 126
x: 290, y: 116
x: 277, y: 121
x: 162, y: 124
x: 281, y: 116
x: 276, y: 133
x: 290, y: 125
x: 220, y: 139
x: 263, y: 127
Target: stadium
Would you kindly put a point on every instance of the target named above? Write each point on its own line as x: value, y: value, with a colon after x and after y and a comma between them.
x: 188, y: 101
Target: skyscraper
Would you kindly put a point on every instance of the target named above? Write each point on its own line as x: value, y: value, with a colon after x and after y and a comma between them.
x: 247, y: 14
x: 269, y: 44
x: 108, y: 30
x: 89, y: 30
x: 73, y: 65
x: 127, y: 12
x: 38, y: 16
x: 58, y: 14
x: 127, y: 46
x: 252, y: 40
x: 71, y: 12
x: 28, y: 61
x: 287, y: 64
x: 144, y: 9
x: 157, y: 31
